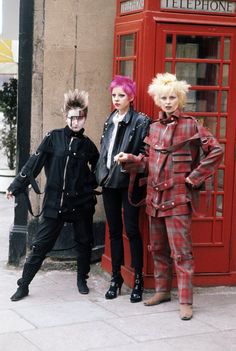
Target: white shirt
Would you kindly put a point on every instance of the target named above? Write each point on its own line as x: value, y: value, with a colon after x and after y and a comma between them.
x: 116, y: 120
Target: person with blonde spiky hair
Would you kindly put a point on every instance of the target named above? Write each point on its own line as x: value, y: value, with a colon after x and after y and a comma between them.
x: 175, y: 171
x: 69, y: 158
x: 166, y: 83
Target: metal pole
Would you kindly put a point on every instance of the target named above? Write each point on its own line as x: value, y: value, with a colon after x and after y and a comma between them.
x: 18, y: 231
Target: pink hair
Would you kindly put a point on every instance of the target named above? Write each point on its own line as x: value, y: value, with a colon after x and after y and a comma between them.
x: 127, y: 84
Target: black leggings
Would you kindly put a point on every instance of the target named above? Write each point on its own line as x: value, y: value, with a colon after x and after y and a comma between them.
x: 114, y: 200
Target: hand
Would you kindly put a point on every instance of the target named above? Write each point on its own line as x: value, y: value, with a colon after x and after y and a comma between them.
x: 9, y: 194
x: 121, y: 157
x: 187, y: 180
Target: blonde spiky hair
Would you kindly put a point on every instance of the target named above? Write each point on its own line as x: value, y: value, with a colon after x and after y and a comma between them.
x: 167, y: 83
x: 75, y: 99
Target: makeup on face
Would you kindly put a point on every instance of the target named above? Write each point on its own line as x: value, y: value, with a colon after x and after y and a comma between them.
x: 76, y: 119
x: 169, y: 102
x: 120, y: 100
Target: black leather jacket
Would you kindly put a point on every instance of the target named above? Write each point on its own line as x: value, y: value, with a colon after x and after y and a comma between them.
x: 69, y: 161
x: 129, y: 138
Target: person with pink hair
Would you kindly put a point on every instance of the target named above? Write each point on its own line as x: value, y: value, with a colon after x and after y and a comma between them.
x: 124, y: 131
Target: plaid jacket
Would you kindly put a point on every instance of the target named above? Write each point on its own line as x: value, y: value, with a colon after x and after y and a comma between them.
x: 170, y: 158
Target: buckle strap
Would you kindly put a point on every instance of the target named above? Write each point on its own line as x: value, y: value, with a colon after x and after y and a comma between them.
x: 168, y: 183
x: 168, y: 205
x: 175, y: 147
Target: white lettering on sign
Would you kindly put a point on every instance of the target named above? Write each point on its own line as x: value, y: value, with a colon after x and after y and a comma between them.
x: 131, y: 5
x: 200, y: 5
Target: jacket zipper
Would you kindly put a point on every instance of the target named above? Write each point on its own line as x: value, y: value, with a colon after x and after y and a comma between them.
x: 64, y: 174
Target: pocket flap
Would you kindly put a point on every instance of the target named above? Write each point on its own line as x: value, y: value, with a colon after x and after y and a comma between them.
x: 182, y: 157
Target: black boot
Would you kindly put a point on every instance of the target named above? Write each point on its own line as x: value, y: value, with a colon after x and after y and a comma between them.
x: 82, y: 284
x: 137, y: 292
x: 116, y: 283
x: 21, y: 292
x: 83, y: 268
x: 28, y: 274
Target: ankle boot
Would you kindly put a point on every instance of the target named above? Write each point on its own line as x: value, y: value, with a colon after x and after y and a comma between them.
x: 116, y: 283
x: 83, y: 268
x: 186, y: 312
x: 29, y: 271
x: 159, y: 297
x: 22, y: 291
x: 137, y: 292
x: 82, y: 285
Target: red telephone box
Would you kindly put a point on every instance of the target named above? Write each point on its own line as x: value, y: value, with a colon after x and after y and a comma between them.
x: 197, y: 41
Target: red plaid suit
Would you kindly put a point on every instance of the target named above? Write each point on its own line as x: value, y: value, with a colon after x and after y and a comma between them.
x: 169, y: 198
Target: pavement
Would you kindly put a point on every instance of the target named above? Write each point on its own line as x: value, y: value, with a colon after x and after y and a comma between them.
x: 56, y: 317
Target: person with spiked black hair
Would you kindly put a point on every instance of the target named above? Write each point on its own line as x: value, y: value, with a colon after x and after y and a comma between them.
x: 69, y: 158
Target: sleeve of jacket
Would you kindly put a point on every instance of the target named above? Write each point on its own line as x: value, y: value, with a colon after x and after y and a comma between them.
x: 212, y: 157
x: 145, y: 131
x: 94, y: 156
x: 32, y: 167
x: 138, y: 163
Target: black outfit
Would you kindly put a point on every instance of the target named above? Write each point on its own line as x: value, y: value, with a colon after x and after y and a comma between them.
x: 129, y: 138
x: 69, y: 159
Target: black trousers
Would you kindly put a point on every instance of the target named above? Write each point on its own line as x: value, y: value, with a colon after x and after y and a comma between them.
x: 114, y: 201
x: 46, y: 236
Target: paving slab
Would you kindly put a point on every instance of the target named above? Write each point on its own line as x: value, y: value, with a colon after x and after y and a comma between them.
x: 160, y: 325
x: 161, y: 345
x: 11, y: 342
x: 217, y: 341
x: 221, y: 317
x: 83, y: 336
x: 13, y: 322
x: 215, y: 296
x: 56, y: 314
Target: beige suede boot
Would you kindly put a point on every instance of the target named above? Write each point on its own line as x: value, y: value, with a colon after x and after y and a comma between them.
x: 159, y: 297
x: 186, y: 312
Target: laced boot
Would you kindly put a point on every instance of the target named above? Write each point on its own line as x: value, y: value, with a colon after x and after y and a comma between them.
x: 82, y: 284
x: 158, y: 298
x: 186, y: 312
x: 116, y: 284
x: 137, y: 292
x: 22, y: 291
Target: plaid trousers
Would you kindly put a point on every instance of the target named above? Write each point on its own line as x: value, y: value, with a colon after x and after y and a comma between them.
x: 170, y: 241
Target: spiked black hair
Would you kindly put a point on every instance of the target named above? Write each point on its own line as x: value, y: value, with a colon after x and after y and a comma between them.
x: 75, y: 99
